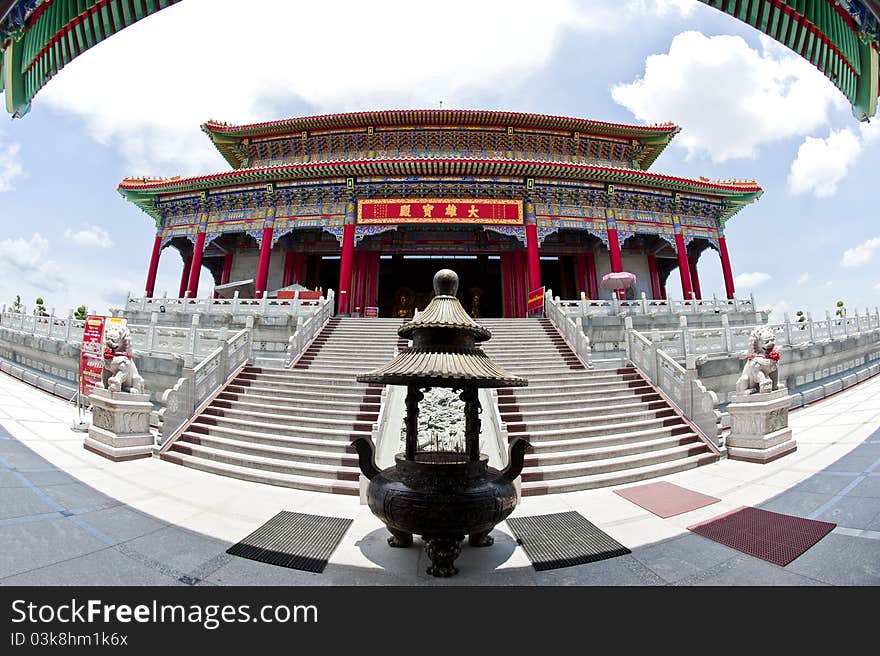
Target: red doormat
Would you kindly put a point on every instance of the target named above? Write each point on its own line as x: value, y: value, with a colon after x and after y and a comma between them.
x: 771, y: 536
x: 665, y: 499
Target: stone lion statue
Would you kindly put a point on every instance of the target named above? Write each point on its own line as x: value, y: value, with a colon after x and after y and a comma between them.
x: 761, y: 373
x: 120, y: 373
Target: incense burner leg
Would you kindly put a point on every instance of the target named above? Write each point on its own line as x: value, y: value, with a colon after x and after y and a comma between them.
x: 481, y: 539
x: 443, y: 551
x: 399, y: 539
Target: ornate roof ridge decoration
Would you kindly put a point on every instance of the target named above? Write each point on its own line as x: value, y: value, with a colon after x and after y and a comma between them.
x: 227, y: 137
x: 428, y: 117
x: 404, y: 166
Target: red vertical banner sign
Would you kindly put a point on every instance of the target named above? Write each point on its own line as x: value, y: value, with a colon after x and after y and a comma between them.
x: 91, y: 363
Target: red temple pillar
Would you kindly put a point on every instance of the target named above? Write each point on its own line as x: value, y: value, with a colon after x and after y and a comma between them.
x: 371, y: 279
x: 195, y: 269
x: 345, y: 263
x: 695, y: 278
x: 684, y: 268
x: 725, y: 267
x: 592, y: 282
x: 663, y: 292
x: 227, y: 268
x: 263, y: 265
x: 616, y: 259
x: 184, y: 276
x: 532, y: 255
x: 154, y: 267
x: 656, y: 292
x: 290, y: 258
x: 224, y: 275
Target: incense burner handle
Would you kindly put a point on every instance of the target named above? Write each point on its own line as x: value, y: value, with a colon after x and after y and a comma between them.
x: 516, y: 455
x: 366, y: 451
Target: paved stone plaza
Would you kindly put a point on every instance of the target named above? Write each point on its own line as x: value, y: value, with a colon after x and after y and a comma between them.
x: 70, y: 517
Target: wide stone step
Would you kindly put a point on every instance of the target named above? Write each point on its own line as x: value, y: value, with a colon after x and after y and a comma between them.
x: 619, y: 477
x: 616, y: 450
x: 619, y: 463
x: 563, y: 386
x: 558, y: 433
x: 300, y: 429
x: 589, y: 421
x: 292, y: 375
x: 267, y: 463
x: 271, y: 422
x: 346, y: 385
x: 353, y: 369
x: 565, y: 393
x: 331, y: 443
x: 599, y: 408
x: 311, y: 393
x: 353, y: 404
x: 585, y: 376
x: 625, y: 436
x: 325, y: 458
x: 263, y: 476
x: 575, y: 403
x: 345, y: 360
x: 283, y: 413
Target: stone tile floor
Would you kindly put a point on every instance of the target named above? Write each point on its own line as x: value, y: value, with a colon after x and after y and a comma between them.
x: 69, y: 517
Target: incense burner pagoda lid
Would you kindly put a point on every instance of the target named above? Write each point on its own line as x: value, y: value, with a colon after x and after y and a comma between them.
x: 444, y: 352
x: 445, y: 311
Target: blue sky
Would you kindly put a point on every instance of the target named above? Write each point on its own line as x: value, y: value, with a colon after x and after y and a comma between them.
x: 749, y: 109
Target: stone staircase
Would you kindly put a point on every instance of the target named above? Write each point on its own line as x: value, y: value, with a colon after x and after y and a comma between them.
x: 588, y: 428
x: 294, y: 427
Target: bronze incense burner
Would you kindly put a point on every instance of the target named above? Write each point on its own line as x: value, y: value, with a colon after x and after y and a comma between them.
x: 442, y: 495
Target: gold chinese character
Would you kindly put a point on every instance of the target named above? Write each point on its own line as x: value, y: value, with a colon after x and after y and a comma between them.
x: 451, y: 210
x: 473, y: 212
x: 404, y: 210
x: 427, y: 208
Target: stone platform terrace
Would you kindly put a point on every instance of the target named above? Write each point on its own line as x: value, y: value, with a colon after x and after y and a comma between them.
x: 68, y: 516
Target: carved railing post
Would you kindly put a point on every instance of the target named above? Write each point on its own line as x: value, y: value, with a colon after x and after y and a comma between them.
x: 51, y: 323
x: 628, y: 326
x: 685, y: 336
x: 788, y: 341
x: 69, y: 326
x: 234, y: 305
x: 726, y: 338
x: 151, y: 331
x: 810, y: 333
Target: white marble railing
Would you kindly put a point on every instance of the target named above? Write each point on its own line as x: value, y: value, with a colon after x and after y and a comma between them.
x: 732, y: 340
x: 306, y: 329
x: 66, y: 328
x: 236, y: 307
x: 571, y: 330
x: 154, y: 337
x: 191, y: 391
x: 644, y: 306
x: 679, y: 384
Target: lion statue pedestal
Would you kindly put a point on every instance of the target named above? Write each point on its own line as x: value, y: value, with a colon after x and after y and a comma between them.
x: 759, y: 429
x: 120, y: 427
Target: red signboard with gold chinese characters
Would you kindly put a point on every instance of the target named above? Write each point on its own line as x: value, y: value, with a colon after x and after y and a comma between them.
x: 92, y: 354
x: 535, y: 304
x: 440, y: 210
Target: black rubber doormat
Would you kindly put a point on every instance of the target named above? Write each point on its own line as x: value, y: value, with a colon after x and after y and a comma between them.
x: 294, y: 540
x: 563, y: 540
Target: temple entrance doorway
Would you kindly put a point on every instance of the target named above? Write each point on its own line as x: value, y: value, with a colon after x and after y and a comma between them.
x: 405, y: 283
x: 558, y: 275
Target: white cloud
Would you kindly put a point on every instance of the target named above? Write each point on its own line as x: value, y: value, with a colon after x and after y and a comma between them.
x: 753, y: 279
x: 877, y: 286
x: 27, y: 262
x: 729, y: 98
x: 828, y: 284
x: 821, y: 164
x: 90, y: 236
x: 803, y: 279
x: 861, y: 254
x: 10, y: 164
x: 217, y: 61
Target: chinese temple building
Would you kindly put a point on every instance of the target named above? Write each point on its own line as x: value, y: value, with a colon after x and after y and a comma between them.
x: 372, y: 203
